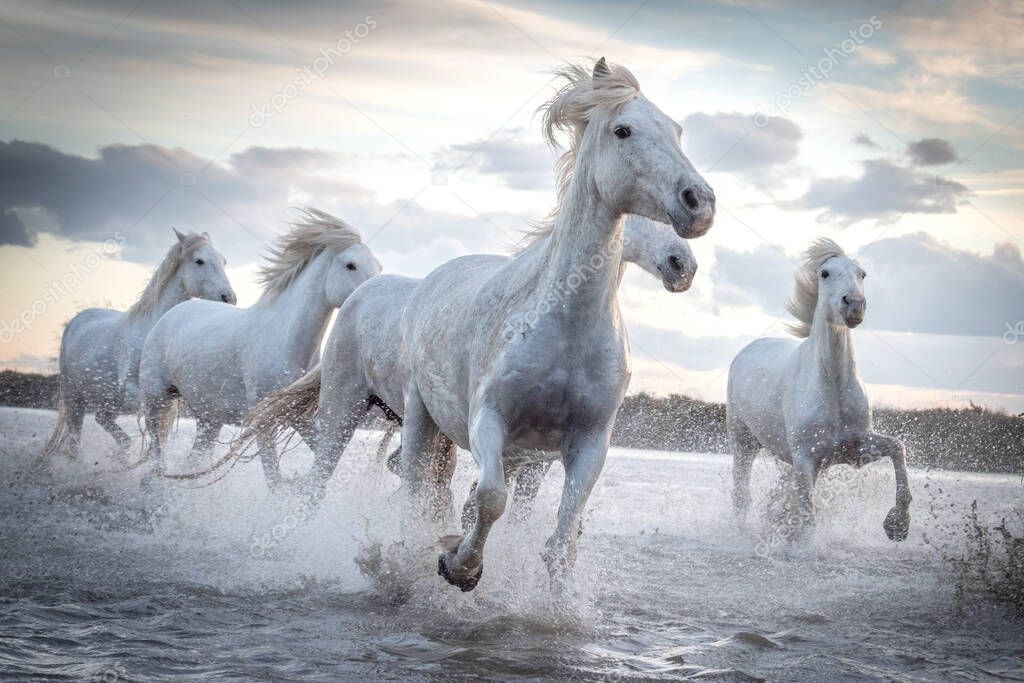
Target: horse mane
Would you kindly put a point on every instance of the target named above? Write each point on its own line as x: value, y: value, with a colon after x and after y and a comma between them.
x: 162, y: 274
x: 568, y: 111
x: 805, y: 286
x: 311, y: 234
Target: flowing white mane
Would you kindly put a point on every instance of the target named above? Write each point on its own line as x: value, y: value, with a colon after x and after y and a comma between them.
x: 179, y: 252
x: 569, y: 111
x: 805, y: 288
x: 315, y: 231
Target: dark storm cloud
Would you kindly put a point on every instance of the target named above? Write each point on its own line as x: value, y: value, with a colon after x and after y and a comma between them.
x: 932, y: 152
x: 143, y: 190
x: 915, y: 284
x: 13, y: 231
x: 884, y: 190
x: 89, y: 199
x: 733, y: 143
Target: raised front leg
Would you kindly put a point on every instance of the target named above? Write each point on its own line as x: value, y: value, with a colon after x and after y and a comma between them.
x: 462, y: 562
x: 875, y: 446
x: 583, y: 456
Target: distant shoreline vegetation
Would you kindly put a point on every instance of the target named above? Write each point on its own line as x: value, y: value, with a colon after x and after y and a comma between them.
x: 971, y: 439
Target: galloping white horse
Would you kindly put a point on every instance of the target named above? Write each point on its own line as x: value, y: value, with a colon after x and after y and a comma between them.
x: 804, y: 402
x: 363, y: 354
x: 220, y: 360
x: 100, y: 348
x: 531, y: 351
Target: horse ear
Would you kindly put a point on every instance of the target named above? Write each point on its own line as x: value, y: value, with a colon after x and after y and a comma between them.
x: 601, y: 69
x: 206, y: 234
x: 180, y: 235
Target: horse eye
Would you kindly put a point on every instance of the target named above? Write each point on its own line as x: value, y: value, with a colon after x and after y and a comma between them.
x: 200, y: 261
x: 350, y: 266
x: 863, y: 275
x: 824, y: 274
x: 622, y: 132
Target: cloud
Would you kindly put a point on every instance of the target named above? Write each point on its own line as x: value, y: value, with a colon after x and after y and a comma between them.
x: 762, y: 278
x: 13, y: 231
x: 959, y: 363
x: 883, y: 190
x: 143, y: 190
x: 915, y: 284
x: 517, y: 164
x: 733, y: 143
x: 931, y: 152
x: 923, y: 285
x: 864, y: 140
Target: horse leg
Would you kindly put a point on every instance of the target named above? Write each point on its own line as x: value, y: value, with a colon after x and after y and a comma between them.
x: 156, y: 411
x: 744, y: 449
x: 875, y: 446
x: 445, y: 458
x: 583, y: 456
x: 107, y: 419
x: 469, y: 507
x: 270, y: 461
x: 528, y: 480
x: 462, y: 565
x: 342, y: 407
x: 416, y: 461
x: 207, y: 432
x: 75, y: 418
x: 806, y: 466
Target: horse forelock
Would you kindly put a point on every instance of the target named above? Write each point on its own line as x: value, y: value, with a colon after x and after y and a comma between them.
x: 805, y: 286
x: 314, y: 232
x: 568, y: 111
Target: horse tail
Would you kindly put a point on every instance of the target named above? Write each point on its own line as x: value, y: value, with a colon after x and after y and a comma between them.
x: 62, y: 440
x: 382, y: 449
x: 295, y: 405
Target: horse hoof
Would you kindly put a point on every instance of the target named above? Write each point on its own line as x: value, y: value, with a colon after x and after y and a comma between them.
x: 897, y: 524
x: 465, y: 585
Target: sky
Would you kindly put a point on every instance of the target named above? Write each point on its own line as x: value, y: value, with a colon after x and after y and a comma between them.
x: 894, y: 127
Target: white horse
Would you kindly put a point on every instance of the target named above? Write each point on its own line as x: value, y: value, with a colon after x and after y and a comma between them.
x: 531, y: 351
x: 804, y: 402
x: 362, y: 354
x: 100, y: 347
x: 220, y: 360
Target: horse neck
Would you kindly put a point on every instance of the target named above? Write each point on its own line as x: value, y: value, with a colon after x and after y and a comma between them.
x: 832, y: 347
x: 583, y: 254
x: 170, y: 296
x: 301, y: 312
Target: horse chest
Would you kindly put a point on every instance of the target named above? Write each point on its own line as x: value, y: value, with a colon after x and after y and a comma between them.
x: 555, y: 391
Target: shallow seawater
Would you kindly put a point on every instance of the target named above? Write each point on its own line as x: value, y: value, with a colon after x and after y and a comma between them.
x: 101, y: 581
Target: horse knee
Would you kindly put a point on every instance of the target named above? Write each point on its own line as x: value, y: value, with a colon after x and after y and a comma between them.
x: 491, y: 500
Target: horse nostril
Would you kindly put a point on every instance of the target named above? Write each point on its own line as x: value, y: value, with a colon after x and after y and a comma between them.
x: 226, y: 298
x: 690, y: 199
x: 846, y: 301
x: 674, y: 263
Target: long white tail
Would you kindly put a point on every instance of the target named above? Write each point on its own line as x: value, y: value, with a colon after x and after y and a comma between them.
x: 282, y: 410
x: 62, y: 440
